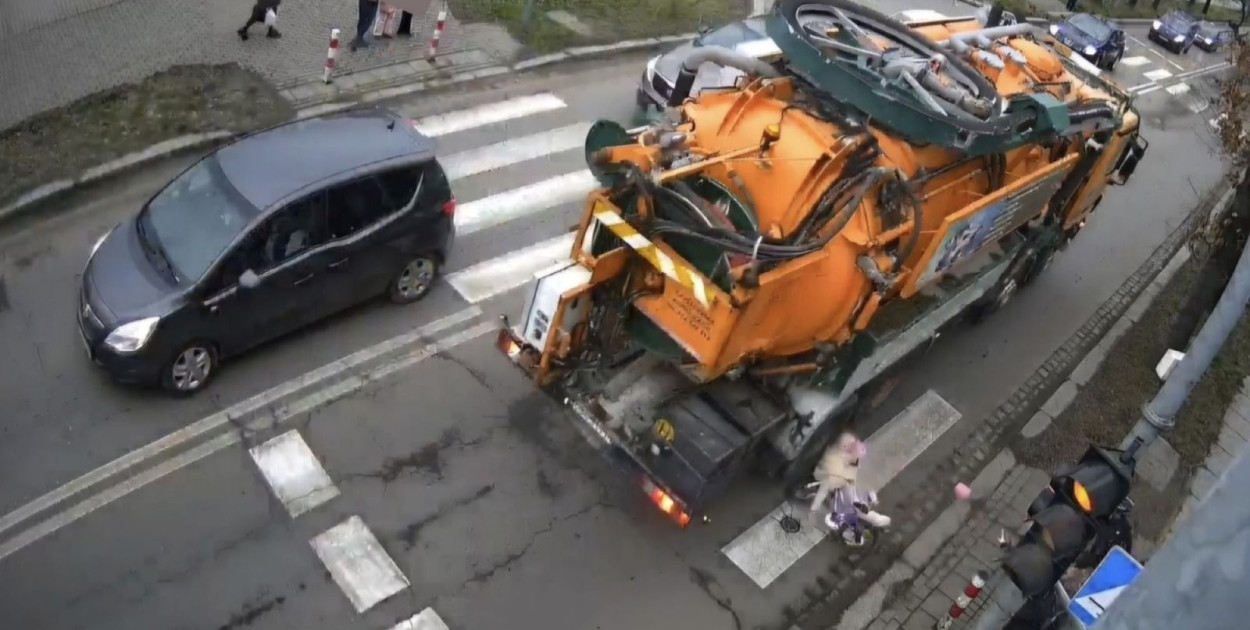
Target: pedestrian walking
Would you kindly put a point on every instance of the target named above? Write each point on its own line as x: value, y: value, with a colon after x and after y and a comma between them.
x: 260, y: 15
x: 368, y: 11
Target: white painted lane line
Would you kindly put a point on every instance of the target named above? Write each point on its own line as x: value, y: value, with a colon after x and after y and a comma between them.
x: 283, y: 413
x: 764, y: 551
x: 236, y: 412
x: 1147, y: 90
x: 1157, y: 75
x: 294, y: 473
x: 1202, y: 71
x: 489, y: 114
x: 519, y: 202
x: 515, y: 151
x: 424, y: 620
x: 504, y: 273
x: 1178, y: 89
x: 1133, y: 62
x: 1150, y: 49
x: 358, y: 563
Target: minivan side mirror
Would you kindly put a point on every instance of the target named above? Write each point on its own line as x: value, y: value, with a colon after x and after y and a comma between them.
x: 249, y: 280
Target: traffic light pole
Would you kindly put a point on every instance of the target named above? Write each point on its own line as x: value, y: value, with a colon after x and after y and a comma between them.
x: 1160, y: 415
x: 1199, y: 579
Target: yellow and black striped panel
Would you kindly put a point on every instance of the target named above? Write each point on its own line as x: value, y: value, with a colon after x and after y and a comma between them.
x: 689, y: 278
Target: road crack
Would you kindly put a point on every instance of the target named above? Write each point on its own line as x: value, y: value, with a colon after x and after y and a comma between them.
x: 484, y: 575
x: 427, y: 460
x: 412, y: 532
x: 705, y: 582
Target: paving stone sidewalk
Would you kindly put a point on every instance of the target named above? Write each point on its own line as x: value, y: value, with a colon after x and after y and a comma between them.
x: 57, y: 51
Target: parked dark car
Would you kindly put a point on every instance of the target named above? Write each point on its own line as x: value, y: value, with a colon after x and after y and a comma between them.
x: 272, y: 232
x: 1096, y: 39
x: 1213, y: 36
x: 1175, y: 30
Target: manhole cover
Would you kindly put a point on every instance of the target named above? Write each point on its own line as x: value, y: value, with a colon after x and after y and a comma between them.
x: 789, y: 524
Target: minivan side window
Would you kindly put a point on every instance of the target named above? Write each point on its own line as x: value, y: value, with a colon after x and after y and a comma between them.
x: 291, y: 231
x: 295, y: 229
x: 400, y: 185
x: 355, y: 205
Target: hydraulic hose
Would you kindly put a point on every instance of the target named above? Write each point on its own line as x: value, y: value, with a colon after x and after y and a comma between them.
x: 716, y: 54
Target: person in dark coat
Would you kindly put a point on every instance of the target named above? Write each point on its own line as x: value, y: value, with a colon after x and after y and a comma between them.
x: 258, y: 17
x: 368, y: 12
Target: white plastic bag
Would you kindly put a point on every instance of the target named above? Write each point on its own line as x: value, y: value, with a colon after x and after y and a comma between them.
x: 271, y: 17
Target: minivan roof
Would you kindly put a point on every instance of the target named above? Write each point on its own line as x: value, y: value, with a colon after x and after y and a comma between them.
x: 271, y: 165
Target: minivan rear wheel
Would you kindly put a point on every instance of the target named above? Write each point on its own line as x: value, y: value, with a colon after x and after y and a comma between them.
x: 191, y: 369
x: 414, y: 281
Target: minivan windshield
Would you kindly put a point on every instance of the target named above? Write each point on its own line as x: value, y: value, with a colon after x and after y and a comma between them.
x: 1095, y: 28
x: 194, y: 219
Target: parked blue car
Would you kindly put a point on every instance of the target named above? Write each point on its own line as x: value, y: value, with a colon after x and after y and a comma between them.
x: 1175, y: 31
x: 1099, y: 41
x: 1213, y: 36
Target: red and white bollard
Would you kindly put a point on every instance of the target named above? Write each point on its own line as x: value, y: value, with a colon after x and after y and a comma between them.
x: 438, y: 31
x: 961, y: 603
x: 331, y: 55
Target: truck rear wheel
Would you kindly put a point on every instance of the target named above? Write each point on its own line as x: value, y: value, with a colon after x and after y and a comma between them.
x: 1013, y: 278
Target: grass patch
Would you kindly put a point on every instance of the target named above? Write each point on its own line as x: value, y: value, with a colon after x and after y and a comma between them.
x: 106, y: 125
x: 1122, y: 9
x: 608, y: 20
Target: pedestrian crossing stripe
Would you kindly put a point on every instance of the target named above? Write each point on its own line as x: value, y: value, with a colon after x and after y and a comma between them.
x: 605, y: 214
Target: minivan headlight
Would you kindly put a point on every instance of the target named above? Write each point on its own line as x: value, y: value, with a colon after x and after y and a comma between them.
x: 1178, y: 39
x: 133, y: 336
x: 1156, y: 25
x: 1054, y: 29
x: 1091, y: 51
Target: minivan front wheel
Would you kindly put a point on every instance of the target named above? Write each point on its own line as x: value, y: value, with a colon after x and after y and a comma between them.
x: 191, y: 369
x: 415, y: 280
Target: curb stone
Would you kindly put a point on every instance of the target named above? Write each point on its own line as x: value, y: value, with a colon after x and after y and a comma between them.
x: 823, y: 606
x: 336, y: 102
x: 158, y: 151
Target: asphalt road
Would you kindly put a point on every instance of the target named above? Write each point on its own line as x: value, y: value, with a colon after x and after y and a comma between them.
x: 487, y: 500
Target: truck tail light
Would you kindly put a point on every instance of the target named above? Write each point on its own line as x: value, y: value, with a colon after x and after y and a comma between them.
x: 449, y: 208
x: 666, y: 502
x: 508, y: 345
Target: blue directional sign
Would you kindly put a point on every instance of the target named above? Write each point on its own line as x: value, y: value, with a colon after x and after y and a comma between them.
x: 1114, y: 574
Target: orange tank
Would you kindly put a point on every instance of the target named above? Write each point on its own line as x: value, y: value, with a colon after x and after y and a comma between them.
x: 777, y: 159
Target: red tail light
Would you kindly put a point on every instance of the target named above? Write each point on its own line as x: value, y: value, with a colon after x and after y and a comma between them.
x: 449, y: 209
x: 666, y: 503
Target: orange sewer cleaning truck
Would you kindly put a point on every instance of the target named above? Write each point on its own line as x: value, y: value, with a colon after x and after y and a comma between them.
x: 759, y: 256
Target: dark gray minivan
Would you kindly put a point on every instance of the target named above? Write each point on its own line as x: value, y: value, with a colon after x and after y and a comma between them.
x: 272, y: 232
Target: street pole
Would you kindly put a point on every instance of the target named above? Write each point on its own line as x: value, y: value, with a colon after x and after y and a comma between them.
x: 1160, y: 414
x: 1199, y: 579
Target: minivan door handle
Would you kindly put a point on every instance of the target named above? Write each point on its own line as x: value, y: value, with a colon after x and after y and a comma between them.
x: 336, y: 264
x: 303, y: 280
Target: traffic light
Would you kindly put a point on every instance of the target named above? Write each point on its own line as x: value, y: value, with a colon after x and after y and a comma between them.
x: 1066, y: 519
